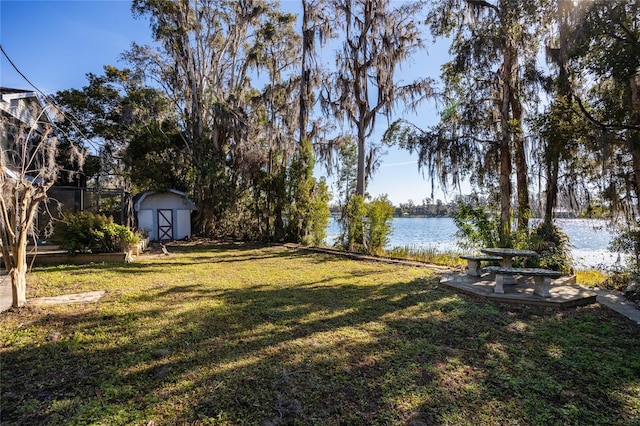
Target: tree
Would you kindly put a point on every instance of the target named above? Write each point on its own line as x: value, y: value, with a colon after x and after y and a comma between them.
x: 317, y: 26
x: 308, y: 207
x: 130, y: 126
x: 28, y: 168
x: 558, y: 116
x: 378, y: 39
x: 488, y: 82
x: 98, y: 115
x: 606, y: 55
x: 204, y: 54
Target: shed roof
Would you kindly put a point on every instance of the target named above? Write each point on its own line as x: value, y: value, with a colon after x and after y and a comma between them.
x: 139, y: 198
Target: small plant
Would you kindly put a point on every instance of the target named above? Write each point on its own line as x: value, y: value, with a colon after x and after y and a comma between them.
x: 366, y: 226
x: 378, y: 224
x: 477, y: 227
x: 592, y: 278
x: 553, y: 246
x: 627, y: 241
x: 426, y: 255
x: 319, y: 214
x: 91, y: 233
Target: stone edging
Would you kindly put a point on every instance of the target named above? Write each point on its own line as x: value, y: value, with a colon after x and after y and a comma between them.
x: 358, y: 256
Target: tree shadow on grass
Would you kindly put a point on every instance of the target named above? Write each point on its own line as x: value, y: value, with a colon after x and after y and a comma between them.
x: 319, y: 352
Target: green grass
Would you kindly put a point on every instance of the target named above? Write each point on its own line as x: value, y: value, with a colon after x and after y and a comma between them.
x: 425, y: 254
x: 242, y: 334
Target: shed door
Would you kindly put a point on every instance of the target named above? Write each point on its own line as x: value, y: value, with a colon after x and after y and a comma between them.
x: 165, y: 224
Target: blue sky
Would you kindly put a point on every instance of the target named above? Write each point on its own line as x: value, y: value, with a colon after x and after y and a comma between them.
x: 56, y: 43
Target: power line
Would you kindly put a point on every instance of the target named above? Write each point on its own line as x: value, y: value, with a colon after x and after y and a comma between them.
x: 20, y: 72
x: 48, y: 98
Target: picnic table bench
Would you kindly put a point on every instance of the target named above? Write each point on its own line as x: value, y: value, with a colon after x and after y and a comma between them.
x: 507, y: 255
x: 474, y: 263
x: 542, y: 278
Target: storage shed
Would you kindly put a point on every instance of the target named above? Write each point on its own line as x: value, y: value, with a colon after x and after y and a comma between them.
x: 165, y: 215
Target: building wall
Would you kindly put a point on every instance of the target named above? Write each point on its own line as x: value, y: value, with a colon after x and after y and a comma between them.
x: 146, y: 221
x: 148, y: 214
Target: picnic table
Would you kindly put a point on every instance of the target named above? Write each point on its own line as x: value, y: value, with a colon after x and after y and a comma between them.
x: 474, y: 263
x: 507, y: 255
x: 542, y: 278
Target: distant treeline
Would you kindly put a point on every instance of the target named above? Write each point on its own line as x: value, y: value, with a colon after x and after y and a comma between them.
x: 442, y: 209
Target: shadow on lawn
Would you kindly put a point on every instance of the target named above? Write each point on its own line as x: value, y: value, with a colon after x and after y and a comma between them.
x: 184, y: 256
x: 322, y: 353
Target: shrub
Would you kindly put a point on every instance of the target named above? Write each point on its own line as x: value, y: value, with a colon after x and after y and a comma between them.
x: 627, y: 241
x: 477, y: 227
x: 90, y: 233
x: 379, y: 214
x: 354, y: 236
x: 553, y: 246
x: 320, y: 213
x: 366, y: 226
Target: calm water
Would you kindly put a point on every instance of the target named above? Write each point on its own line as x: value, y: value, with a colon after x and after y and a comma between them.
x: 589, y: 237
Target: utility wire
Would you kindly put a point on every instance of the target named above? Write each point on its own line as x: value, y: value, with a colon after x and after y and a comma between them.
x: 49, y: 99
x: 21, y: 74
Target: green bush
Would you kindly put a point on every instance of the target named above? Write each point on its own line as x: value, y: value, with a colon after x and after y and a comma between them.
x: 366, y: 226
x: 320, y: 213
x: 379, y: 215
x: 91, y: 233
x: 627, y: 241
x: 354, y: 236
x: 554, y: 248
x: 477, y: 227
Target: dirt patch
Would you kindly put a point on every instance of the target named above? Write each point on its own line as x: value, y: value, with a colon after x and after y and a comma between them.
x: 87, y: 297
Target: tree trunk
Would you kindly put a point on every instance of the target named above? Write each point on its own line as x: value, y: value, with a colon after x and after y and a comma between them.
x: 522, y: 181
x: 305, y: 72
x: 505, y: 193
x: 505, y: 147
x: 635, y: 136
x: 551, y: 189
x: 564, y: 91
x: 18, y: 272
x: 360, y: 181
x: 18, y: 276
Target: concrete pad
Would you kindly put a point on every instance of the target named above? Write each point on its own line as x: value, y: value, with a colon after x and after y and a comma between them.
x: 563, y: 294
x: 87, y: 297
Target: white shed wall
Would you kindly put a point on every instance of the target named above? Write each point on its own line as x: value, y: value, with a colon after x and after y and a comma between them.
x: 146, y: 221
x: 165, y: 200
x: 182, y: 224
x: 181, y: 207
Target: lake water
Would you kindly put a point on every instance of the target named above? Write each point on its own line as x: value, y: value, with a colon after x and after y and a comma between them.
x: 589, y: 238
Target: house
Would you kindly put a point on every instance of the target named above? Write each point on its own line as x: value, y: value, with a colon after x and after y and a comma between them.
x: 23, y: 107
x: 19, y: 110
x: 23, y: 111
x: 165, y: 215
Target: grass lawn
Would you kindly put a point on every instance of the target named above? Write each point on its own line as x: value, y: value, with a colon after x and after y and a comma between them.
x: 244, y: 334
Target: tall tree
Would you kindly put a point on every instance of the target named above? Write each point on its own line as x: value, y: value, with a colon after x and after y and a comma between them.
x: 279, y: 53
x: 204, y: 58
x: 378, y: 39
x: 317, y: 27
x: 488, y: 82
x: 558, y: 55
x: 606, y: 53
x: 131, y: 128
